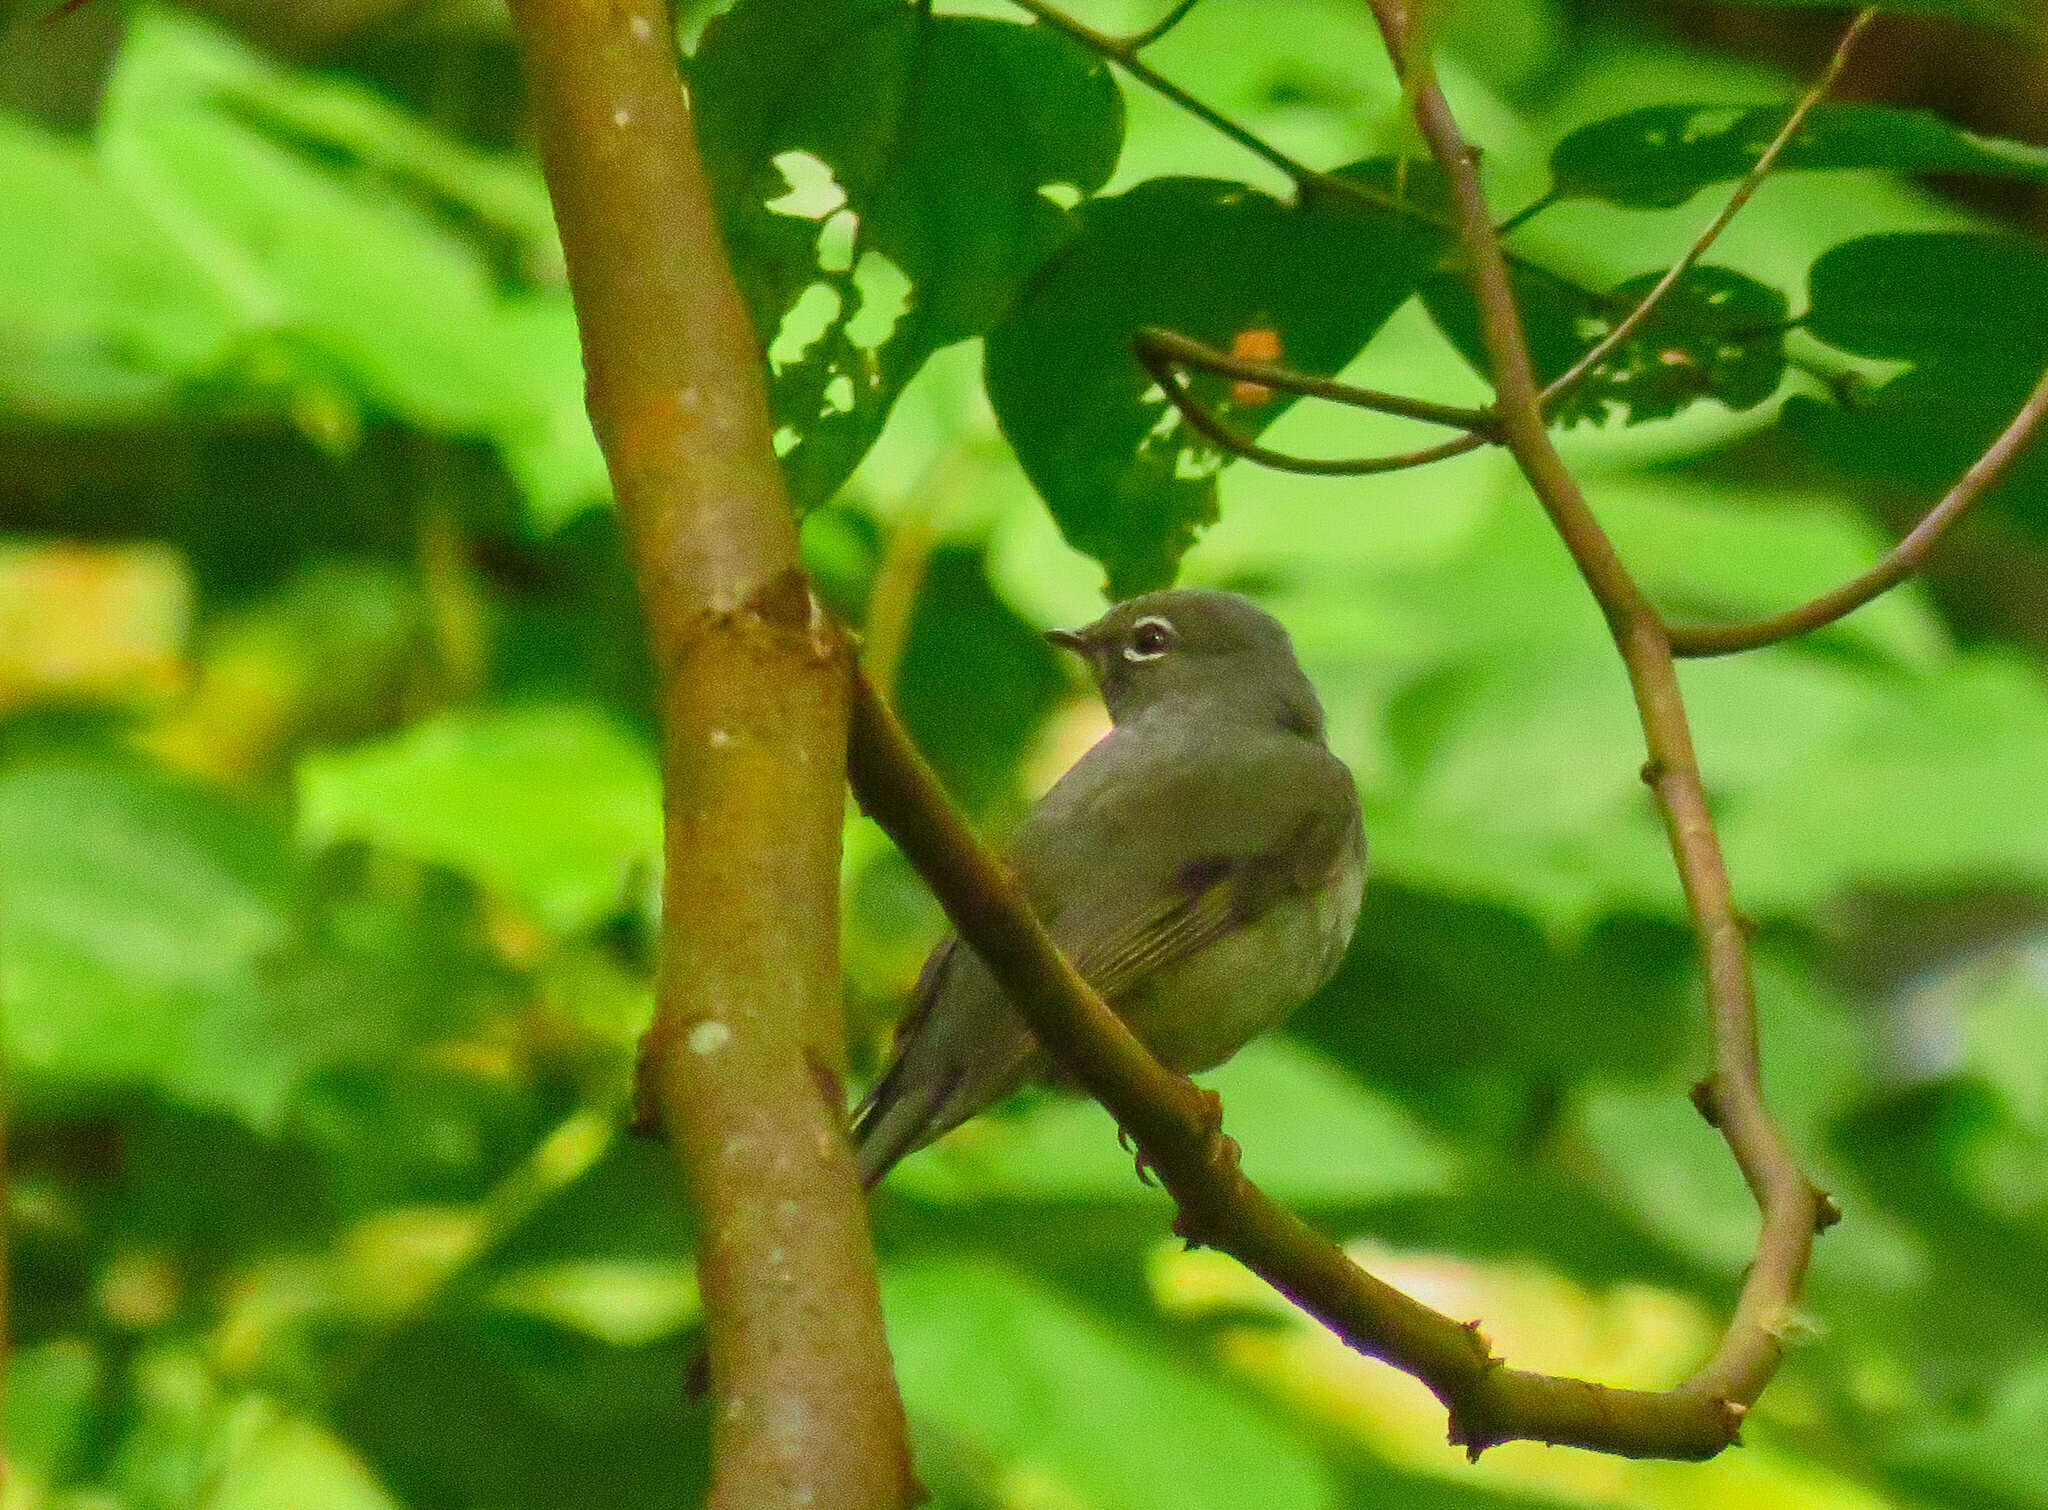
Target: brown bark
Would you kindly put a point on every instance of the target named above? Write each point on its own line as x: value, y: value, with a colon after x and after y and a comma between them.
x: 747, y: 1046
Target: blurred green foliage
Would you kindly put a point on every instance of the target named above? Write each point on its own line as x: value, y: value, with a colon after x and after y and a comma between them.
x: 329, y: 821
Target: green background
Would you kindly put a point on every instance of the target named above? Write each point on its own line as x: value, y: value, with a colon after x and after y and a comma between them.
x: 329, y: 822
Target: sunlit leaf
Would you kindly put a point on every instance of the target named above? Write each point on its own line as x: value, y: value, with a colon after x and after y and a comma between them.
x: 551, y: 805
x: 985, y: 1355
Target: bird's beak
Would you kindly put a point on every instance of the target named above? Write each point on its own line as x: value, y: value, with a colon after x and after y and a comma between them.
x: 1070, y: 639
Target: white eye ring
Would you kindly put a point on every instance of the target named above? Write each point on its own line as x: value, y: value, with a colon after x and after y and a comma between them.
x: 1150, y: 639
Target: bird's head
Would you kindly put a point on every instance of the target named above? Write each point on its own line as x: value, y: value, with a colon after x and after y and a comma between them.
x: 1190, y: 645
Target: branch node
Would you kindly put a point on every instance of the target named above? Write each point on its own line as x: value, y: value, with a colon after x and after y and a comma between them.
x: 1733, y: 1413
x: 1705, y: 1094
x: 1826, y: 1211
x: 647, y: 1061
x: 1652, y: 772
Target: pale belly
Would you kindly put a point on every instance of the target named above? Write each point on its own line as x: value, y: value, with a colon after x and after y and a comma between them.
x: 1199, y: 1012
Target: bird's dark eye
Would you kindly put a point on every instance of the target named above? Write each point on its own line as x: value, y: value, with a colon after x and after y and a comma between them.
x: 1150, y: 639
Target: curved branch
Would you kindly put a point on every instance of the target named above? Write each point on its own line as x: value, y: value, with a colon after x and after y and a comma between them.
x: 1903, y: 560
x: 1569, y: 379
x: 1731, y: 1097
x: 1211, y: 427
x: 1124, y: 53
x: 746, y: 1048
x: 1138, y: 40
x: 1177, y: 1127
x: 1165, y: 349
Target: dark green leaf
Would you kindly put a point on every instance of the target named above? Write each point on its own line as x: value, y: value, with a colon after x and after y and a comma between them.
x: 1127, y: 480
x: 1932, y: 296
x: 1660, y: 156
x: 1959, y: 306
x: 969, y: 649
x: 917, y: 153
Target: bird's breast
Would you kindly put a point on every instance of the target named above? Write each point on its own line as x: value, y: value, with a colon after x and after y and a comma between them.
x: 1197, y: 1012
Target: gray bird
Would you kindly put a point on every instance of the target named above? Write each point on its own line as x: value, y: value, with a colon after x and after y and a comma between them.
x: 1202, y: 866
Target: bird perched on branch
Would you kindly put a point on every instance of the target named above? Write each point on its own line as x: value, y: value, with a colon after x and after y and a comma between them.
x: 1202, y: 867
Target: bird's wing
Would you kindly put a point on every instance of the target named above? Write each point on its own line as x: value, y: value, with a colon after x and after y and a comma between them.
x: 1206, y: 899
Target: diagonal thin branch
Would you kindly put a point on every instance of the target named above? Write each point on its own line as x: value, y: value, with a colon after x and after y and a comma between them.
x: 1901, y: 562
x: 1569, y: 379
x: 1124, y: 53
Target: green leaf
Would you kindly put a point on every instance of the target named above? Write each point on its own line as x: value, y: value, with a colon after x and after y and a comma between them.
x: 345, y: 252
x: 887, y: 179
x: 1945, y: 302
x: 1932, y: 296
x: 97, y: 303
x: 985, y: 1355
x: 139, y: 916
x: 552, y: 805
x: 1936, y: 784
x: 1659, y: 157
x: 1716, y: 334
x: 1128, y: 482
x: 267, y: 1457
x: 53, y: 1392
x: 1999, y: 1452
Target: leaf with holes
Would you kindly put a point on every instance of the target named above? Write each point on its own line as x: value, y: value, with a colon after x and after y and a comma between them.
x: 1659, y: 157
x: 1129, y: 482
x: 1717, y: 334
x: 887, y: 180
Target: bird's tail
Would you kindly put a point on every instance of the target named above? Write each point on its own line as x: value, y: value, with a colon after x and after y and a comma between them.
x: 896, y: 1118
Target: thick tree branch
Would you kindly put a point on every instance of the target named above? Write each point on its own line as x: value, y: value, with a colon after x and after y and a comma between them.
x: 1903, y: 560
x: 1732, y: 1096
x: 747, y: 1044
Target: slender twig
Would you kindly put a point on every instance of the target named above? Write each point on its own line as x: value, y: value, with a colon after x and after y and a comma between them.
x: 1138, y: 40
x: 1731, y: 1097
x: 1900, y: 563
x: 1177, y: 1128
x: 1526, y: 213
x: 1213, y: 429
x: 752, y: 683
x: 1630, y: 323
x: 1165, y: 350
x: 1124, y: 53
